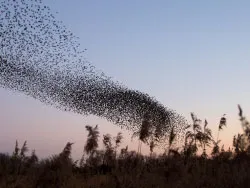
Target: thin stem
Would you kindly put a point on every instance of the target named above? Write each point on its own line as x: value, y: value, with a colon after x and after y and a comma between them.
x: 218, y: 135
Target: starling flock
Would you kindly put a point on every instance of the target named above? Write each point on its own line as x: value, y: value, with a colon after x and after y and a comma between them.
x: 41, y: 58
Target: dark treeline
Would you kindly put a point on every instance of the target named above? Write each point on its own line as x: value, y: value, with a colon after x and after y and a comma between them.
x: 117, y: 167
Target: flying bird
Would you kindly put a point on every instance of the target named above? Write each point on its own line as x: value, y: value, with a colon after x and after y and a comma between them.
x: 41, y: 58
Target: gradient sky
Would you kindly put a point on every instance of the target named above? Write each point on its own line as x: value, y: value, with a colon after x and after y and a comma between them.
x: 193, y: 56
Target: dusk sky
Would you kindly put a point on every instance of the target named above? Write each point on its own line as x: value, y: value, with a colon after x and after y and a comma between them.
x: 192, y: 56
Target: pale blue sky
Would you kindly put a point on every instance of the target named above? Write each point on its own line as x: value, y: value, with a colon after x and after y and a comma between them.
x: 193, y: 56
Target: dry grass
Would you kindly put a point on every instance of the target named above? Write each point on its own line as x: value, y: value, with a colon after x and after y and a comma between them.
x: 128, y: 169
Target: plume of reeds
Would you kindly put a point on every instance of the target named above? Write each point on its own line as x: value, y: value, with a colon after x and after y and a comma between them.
x: 24, y: 149
x: 223, y: 123
x: 152, y: 146
x: 196, y: 129
x: 222, y: 149
x: 33, y: 158
x: 144, y: 132
x: 118, y: 139
x: 191, y: 137
x: 239, y: 143
x: 107, y: 142
x: 205, y: 138
x: 216, y: 149
x: 82, y: 161
x: 124, y: 151
x: 16, y: 150
x: 187, y: 135
x: 67, y: 151
x: 189, y: 147
x: 245, y: 124
x: 92, y: 140
x: 109, y: 153
x: 172, y: 136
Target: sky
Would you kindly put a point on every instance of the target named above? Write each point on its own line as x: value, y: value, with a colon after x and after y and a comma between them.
x: 192, y: 56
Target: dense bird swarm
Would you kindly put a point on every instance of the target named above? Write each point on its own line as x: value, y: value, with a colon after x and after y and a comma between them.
x: 43, y: 59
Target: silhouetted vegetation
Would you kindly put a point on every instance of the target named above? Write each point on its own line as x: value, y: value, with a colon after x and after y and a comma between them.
x: 117, y: 167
